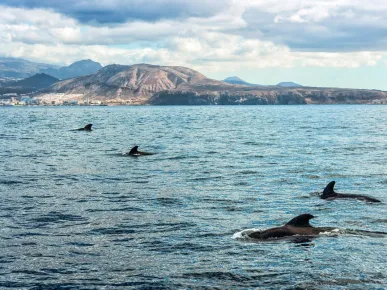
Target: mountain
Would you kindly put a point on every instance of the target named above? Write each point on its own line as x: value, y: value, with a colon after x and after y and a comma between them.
x: 36, y: 82
x: 237, y: 81
x: 79, y: 68
x: 144, y: 84
x: 288, y: 85
x: 28, y: 85
x: 20, y: 68
x: 134, y: 84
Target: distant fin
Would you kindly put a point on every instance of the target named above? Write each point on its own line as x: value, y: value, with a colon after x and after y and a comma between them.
x: 328, y: 190
x: 88, y: 127
x: 133, y: 150
x: 301, y: 220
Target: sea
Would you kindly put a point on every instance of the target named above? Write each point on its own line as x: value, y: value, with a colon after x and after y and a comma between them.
x: 76, y: 213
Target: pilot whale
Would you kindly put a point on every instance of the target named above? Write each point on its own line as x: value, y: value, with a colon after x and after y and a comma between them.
x: 297, y: 226
x: 330, y: 194
x: 86, y: 128
x: 134, y: 152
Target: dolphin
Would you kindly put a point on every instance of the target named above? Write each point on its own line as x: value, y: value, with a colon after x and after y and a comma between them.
x: 297, y: 226
x: 86, y: 128
x: 330, y: 194
x: 134, y: 152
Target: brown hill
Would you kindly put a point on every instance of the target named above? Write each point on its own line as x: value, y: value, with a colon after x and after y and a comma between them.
x: 134, y: 84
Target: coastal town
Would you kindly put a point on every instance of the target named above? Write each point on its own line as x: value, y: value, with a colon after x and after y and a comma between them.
x: 11, y: 99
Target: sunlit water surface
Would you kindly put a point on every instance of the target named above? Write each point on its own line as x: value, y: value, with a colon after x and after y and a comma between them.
x: 76, y: 214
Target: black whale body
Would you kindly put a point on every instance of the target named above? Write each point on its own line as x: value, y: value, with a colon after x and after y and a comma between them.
x: 297, y: 226
x: 86, y: 128
x: 330, y: 194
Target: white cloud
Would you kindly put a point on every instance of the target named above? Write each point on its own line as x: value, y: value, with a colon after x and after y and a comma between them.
x: 341, y: 60
x: 232, y: 39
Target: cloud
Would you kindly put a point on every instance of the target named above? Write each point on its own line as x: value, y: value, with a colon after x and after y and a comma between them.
x: 340, y: 60
x: 329, y: 25
x: 210, y: 52
x: 120, y: 11
x: 302, y: 25
x: 231, y: 35
x: 43, y: 26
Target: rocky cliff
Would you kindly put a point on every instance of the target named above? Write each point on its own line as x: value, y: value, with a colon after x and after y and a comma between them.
x: 269, y: 96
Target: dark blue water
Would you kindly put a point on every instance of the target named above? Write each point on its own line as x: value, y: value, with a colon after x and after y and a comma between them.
x: 76, y: 214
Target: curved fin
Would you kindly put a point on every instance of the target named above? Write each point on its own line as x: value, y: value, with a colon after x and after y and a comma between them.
x: 134, y: 150
x: 88, y: 127
x: 301, y: 220
x: 329, y: 189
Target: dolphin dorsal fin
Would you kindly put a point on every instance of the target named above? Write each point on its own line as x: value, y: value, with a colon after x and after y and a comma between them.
x: 329, y: 189
x: 88, y: 127
x: 133, y: 150
x: 301, y: 220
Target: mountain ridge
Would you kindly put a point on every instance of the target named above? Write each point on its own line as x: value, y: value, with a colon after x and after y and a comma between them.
x: 37, y: 81
x: 28, y: 85
x: 76, y: 69
x: 134, y: 82
x: 11, y: 67
x: 18, y: 68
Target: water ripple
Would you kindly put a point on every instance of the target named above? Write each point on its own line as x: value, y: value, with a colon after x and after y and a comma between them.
x: 77, y: 214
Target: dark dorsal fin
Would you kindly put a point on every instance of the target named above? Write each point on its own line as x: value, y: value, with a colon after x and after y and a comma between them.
x: 133, y: 150
x: 328, y: 190
x: 88, y: 127
x: 301, y: 220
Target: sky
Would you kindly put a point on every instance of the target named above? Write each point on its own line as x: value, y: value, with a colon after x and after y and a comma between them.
x: 325, y: 43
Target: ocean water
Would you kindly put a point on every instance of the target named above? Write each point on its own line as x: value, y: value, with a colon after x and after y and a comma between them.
x: 77, y: 214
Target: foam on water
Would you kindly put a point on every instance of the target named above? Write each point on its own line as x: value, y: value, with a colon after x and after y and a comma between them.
x: 244, y: 234
x: 333, y: 232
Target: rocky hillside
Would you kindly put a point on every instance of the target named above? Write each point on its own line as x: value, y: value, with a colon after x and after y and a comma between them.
x: 134, y: 84
x: 172, y: 85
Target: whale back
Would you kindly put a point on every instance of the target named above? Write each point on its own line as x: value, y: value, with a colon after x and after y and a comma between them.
x: 358, y: 197
x: 330, y: 193
x: 301, y: 221
x: 296, y: 226
x: 329, y: 190
x: 273, y: 233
